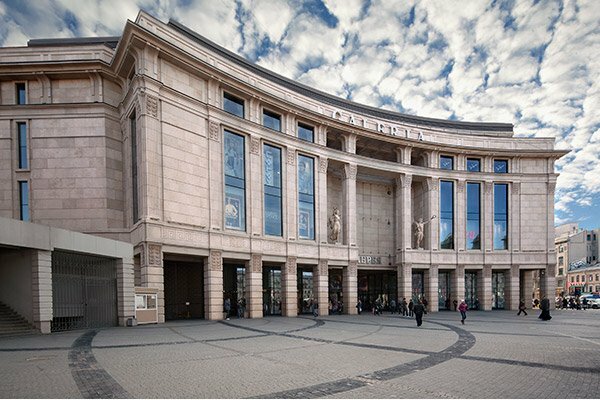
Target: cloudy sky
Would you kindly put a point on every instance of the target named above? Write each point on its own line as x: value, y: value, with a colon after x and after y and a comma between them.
x: 535, y: 64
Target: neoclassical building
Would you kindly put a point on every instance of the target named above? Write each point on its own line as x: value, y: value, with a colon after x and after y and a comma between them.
x: 234, y: 182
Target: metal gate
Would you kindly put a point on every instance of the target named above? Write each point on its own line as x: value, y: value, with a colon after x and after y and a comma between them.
x: 84, y: 291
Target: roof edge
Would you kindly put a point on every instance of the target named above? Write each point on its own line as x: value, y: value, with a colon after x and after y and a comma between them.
x: 109, y: 41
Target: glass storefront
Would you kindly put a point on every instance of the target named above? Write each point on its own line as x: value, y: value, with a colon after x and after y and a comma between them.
x: 305, y: 290
x: 418, y: 285
x: 336, y: 295
x: 271, y: 291
x: 234, y: 285
x: 471, y: 289
x: 373, y: 285
x: 498, y: 284
x: 444, y: 300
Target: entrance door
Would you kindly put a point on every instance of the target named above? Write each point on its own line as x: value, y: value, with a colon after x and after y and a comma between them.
x: 373, y: 285
x: 470, y: 289
x: 418, y: 285
x: 271, y: 291
x: 84, y: 291
x: 234, y: 285
x: 444, y: 291
x: 305, y: 290
x: 184, y: 290
x: 336, y: 294
x: 498, y: 283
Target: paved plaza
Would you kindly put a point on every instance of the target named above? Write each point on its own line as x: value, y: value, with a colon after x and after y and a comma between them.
x: 496, y: 354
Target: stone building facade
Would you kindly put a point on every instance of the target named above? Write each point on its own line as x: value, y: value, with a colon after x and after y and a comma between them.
x: 225, y: 178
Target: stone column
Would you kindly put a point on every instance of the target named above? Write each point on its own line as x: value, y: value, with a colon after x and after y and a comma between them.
x: 404, y: 211
x: 349, y: 142
x: 487, y: 212
x: 254, y: 295
x: 432, y: 228
x: 150, y: 166
x: 215, y: 173
x: 322, y: 211
x: 457, y: 285
x: 289, y: 288
x: 125, y: 290
x: 213, y: 287
x: 484, y: 288
x: 512, y: 288
x: 350, y: 287
x: 548, y: 284
x: 526, y: 288
x: 404, y: 281
x: 41, y: 289
x: 431, y: 288
x: 460, y: 216
x: 254, y: 188
x: 151, y: 261
x: 349, y: 222
x: 321, y: 285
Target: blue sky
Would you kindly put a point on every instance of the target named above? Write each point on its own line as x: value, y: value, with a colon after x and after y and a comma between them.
x: 535, y: 64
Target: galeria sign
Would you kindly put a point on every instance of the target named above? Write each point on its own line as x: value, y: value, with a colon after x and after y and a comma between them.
x: 380, y: 127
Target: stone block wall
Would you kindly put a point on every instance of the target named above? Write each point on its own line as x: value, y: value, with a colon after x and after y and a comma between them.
x: 375, y: 218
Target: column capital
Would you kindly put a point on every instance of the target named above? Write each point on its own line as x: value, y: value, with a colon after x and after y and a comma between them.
x: 323, y: 163
x: 432, y: 184
x: 350, y: 171
x: 216, y: 260
x: 406, y: 180
x: 516, y: 187
x: 214, y: 131
x: 256, y: 263
x: 254, y: 145
x: 323, y: 267
x: 488, y: 187
x: 291, y: 264
x: 353, y: 268
x: 460, y: 185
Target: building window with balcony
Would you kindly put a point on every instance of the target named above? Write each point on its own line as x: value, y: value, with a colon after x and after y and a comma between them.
x: 473, y: 216
x: 501, y: 166
x: 446, y: 215
x: 235, y: 181
x: 24, y: 201
x: 22, y: 143
x: 473, y: 165
x: 272, y: 120
x: 272, y: 190
x: 306, y: 197
x: 500, y: 216
x: 21, y: 94
x: 134, y: 168
x: 306, y: 132
x: 233, y: 104
x: 446, y: 162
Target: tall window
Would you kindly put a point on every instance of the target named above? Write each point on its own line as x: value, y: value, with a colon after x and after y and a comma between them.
x: 134, y: 170
x: 501, y: 166
x: 446, y: 214
x: 233, y: 105
x: 272, y: 120
x: 473, y: 216
x: 446, y: 162
x: 272, y: 187
x: 22, y: 139
x: 473, y: 165
x: 306, y: 197
x: 21, y: 93
x: 500, y: 216
x: 24, y: 200
x: 306, y: 132
x: 235, y: 181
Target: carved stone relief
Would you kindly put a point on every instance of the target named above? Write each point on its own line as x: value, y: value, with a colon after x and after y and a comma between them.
x: 323, y: 165
x: 291, y: 157
x: 323, y: 269
x: 152, y: 106
x: 350, y: 171
x: 256, y: 263
x: 213, y: 128
x: 154, y: 255
x: 254, y: 146
x: 290, y: 265
x: 216, y: 261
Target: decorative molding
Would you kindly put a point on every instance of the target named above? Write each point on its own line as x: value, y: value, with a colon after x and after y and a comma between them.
x: 323, y: 162
x: 406, y: 181
x: 323, y: 268
x: 213, y: 129
x: 350, y: 171
x: 432, y: 184
x: 256, y: 263
x: 352, y: 268
x: 488, y: 187
x: 216, y: 260
x: 154, y: 255
x: 516, y: 187
x: 291, y: 157
x: 254, y: 146
x: 152, y: 106
x: 291, y: 264
x: 460, y: 186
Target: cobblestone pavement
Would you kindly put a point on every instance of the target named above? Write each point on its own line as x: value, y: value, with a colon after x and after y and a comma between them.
x: 495, y: 355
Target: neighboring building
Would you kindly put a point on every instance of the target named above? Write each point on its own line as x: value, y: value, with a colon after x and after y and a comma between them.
x: 584, y: 280
x: 225, y: 178
x: 561, y: 244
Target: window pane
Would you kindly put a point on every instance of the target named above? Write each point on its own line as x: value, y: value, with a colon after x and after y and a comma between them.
x: 446, y: 215
x: 501, y: 166
x: 306, y: 132
x: 306, y: 218
x: 306, y: 202
x: 272, y: 166
x: 446, y: 162
x: 473, y: 165
x: 235, y: 188
x: 21, y: 95
x: 234, y: 155
x: 24, y: 200
x: 305, y: 175
x: 271, y: 120
x: 272, y: 190
x: 273, y: 223
x: 233, y: 105
x: 22, y: 128
x: 235, y: 208
x: 500, y: 216
x: 473, y: 216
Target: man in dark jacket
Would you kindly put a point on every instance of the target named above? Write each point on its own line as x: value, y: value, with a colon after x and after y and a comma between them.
x: 545, y: 306
x: 419, y: 309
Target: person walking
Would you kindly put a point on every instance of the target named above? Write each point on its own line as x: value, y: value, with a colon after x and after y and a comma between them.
x: 565, y: 303
x: 241, y: 307
x: 315, y: 309
x: 545, y: 306
x: 411, y: 306
x: 404, y: 307
x: 393, y: 306
x: 522, y: 307
x: 227, y: 308
x: 359, y: 306
x: 462, y: 307
x: 455, y: 304
x: 419, y: 309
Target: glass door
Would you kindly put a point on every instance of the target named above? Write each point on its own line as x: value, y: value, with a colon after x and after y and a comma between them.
x: 418, y: 285
x: 444, y: 291
x: 305, y: 290
x: 336, y: 295
x: 271, y: 291
x: 498, y: 284
x: 470, y: 289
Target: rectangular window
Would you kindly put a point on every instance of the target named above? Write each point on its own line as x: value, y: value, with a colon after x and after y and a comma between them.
x: 500, y: 216
x: 577, y: 278
x: 561, y: 261
x: 473, y: 216
x: 134, y: 169
x: 24, y: 200
x: 21, y: 93
x: 597, y: 278
x: 22, y: 139
x: 560, y: 271
x: 233, y: 105
x: 589, y: 237
x: 501, y: 166
x: 306, y: 132
x: 446, y: 162
x: 272, y: 120
x: 572, y: 279
x: 446, y: 215
x: 473, y: 165
x: 306, y: 197
x: 235, y: 181
x: 272, y: 190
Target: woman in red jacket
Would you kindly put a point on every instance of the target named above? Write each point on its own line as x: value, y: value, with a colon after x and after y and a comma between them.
x: 463, y: 311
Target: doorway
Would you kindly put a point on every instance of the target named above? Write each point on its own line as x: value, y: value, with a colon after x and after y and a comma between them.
x: 336, y: 294
x: 418, y: 286
x: 184, y: 290
x: 234, y: 285
x: 444, y: 301
x: 271, y: 291
x: 305, y: 290
x: 498, y: 285
x: 471, y: 289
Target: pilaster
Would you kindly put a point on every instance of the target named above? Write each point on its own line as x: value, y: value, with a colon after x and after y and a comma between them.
x: 350, y: 282
x: 321, y: 285
x: 150, y: 167
x: 322, y: 210
x: 512, y: 289
x: 289, y: 288
x: 548, y: 284
x: 215, y: 173
x: 431, y: 288
x: 457, y: 285
x: 291, y: 188
x: 254, y: 286
x: 432, y: 237
x: 514, y: 220
x: 349, y: 191
x: 487, y: 226
x: 349, y: 141
x: 151, y: 261
x: 404, y: 281
x: 460, y: 216
x: 125, y: 290
x: 484, y: 290
x: 404, y: 211
x: 41, y: 289
x: 254, y: 189
x: 213, y: 286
